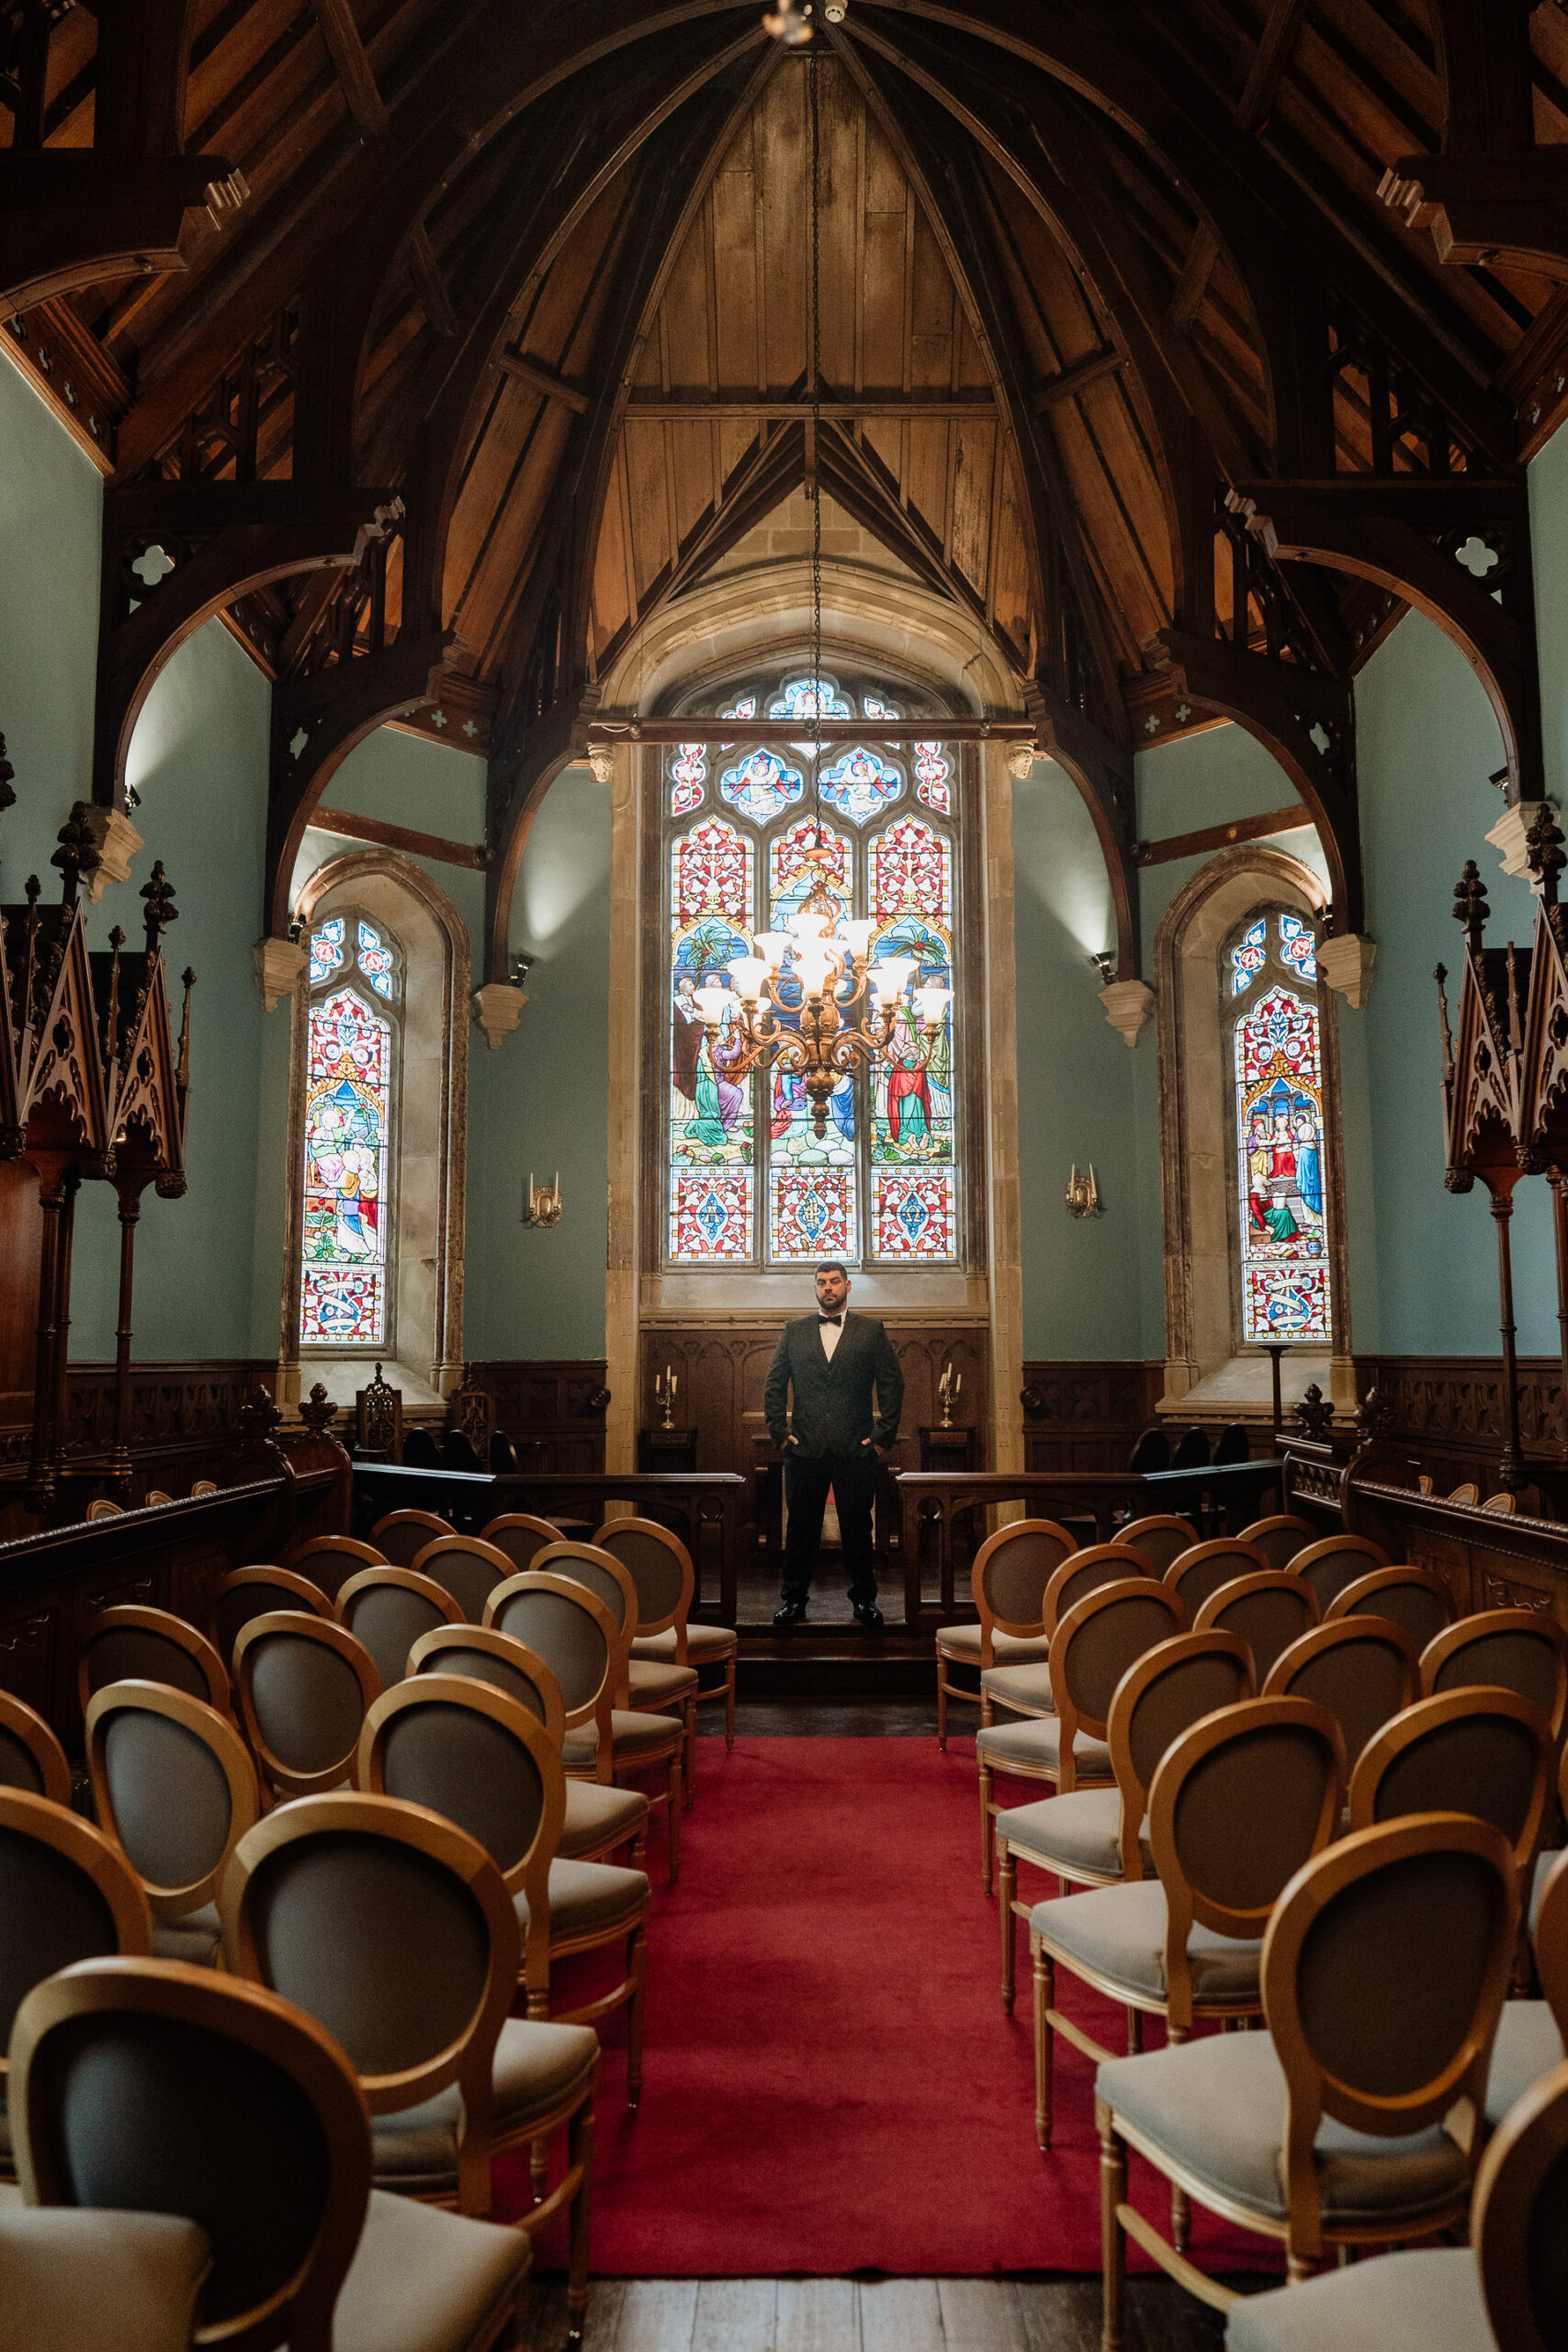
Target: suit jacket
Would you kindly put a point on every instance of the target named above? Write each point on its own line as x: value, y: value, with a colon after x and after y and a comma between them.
x: 832, y: 1412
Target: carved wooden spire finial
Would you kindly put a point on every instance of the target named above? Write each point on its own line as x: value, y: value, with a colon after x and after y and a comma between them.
x: 1543, y: 853
x: 1469, y: 905
x: 77, y: 854
x: 158, y: 894
x: 8, y: 797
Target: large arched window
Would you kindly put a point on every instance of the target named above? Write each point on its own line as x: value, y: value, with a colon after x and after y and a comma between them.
x: 1269, y: 975
x: 354, y: 1037
x: 747, y: 1181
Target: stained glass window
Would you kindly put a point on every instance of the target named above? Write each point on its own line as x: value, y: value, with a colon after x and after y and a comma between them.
x: 1280, y: 1154
x: 346, y: 1205
x: 748, y: 1181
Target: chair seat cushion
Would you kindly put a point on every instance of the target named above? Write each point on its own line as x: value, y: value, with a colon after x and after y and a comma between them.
x: 963, y: 1643
x: 634, y: 1736
x: 1020, y: 1686
x: 595, y: 1815
x: 1544, y: 1866
x: 1035, y: 1744
x: 1078, y: 1832
x: 195, y: 1938
x: 1394, y: 2302
x: 1216, y: 2108
x: 426, y: 2281
x: 654, y: 1682
x: 1118, y: 1934
x: 1527, y: 2046
x: 589, y: 1895
x: 95, y: 2280
x: 536, y: 2067
x: 704, y: 1644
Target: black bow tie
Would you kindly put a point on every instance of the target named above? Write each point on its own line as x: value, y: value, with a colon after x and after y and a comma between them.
x: 829, y: 1318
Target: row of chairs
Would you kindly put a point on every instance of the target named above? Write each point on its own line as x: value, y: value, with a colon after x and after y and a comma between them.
x: 105, y: 1508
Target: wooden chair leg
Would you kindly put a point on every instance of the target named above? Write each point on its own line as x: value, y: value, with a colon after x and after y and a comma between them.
x: 729, y: 1705
x: 988, y: 1710
x: 636, y: 1974
x: 987, y: 1824
x: 1044, y: 2053
x: 580, y: 2152
x: 539, y: 2168
x: 638, y: 1859
x: 942, y: 1705
x: 1006, y: 1890
x: 673, y: 1818
x: 1181, y: 2203
x: 1113, y: 2244
x: 691, y: 1714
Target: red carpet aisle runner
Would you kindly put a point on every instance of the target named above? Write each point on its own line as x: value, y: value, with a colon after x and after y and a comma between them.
x: 830, y: 2084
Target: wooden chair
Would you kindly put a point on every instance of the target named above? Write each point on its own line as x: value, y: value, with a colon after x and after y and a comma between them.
x: 1269, y: 1610
x: 1233, y: 1444
x: 1495, y: 2290
x: 66, y: 1894
x: 1363, y: 2032
x: 403, y: 1534
x: 131, y: 1644
x: 1094, y: 1836
x: 1026, y: 1690
x: 646, y: 1687
x: 1010, y: 1572
x: 258, y: 2127
x: 1530, y: 2034
x: 421, y: 1449
x: 1515, y: 1649
x: 597, y: 1820
x: 204, y: 1486
x: 1161, y: 1537
x: 469, y: 1568
x: 1238, y: 1802
x: 1417, y: 1599
x: 584, y: 1645
x: 31, y: 1758
x: 305, y: 1687
x: 246, y: 1593
x: 1467, y: 1492
x: 156, y: 1495
x: 656, y: 1559
x: 1093, y: 1647
x: 329, y: 1560
x: 467, y: 1751
x: 1478, y: 1751
x: 104, y: 1509
x: 1502, y: 1506
x: 1279, y: 1538
x: 1191, y: 1450
x: 1151, y: 1452
x: 1363, y: 1670
x: 175, y: 1786
x: 1203, y: 1568
x: 519, y: 1534
x: 388, y: 1610
x: 1329, y: 1566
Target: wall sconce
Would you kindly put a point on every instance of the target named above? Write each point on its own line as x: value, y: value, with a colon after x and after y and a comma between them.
x: 1105, y: 965
x: 1082, y: 1195
x: 544, y: 1202
x: 521, y: 968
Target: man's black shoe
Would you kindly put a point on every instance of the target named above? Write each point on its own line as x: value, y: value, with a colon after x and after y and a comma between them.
x: 868, y: 1614
x: 793, y: 1612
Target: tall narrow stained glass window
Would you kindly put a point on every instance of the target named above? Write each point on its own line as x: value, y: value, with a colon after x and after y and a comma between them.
x: 749, y: 1183
x: 351, y: 1068
x: 1278, y: 1062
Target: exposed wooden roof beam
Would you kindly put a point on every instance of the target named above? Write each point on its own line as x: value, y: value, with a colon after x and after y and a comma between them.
x: 1079, y: 377
x: 544, y: 381
x: 1269, y: 66
x: 911, y: 410
x: 351, y: 63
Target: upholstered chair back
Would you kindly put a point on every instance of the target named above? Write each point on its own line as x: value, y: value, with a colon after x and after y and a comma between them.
x: 388, y: 1610
x: 250, y: 1592
x: 403, y: 1534
x: 659, y: 1565
x: 66, y: 1894
x: 1160, y: 1696
x: 330, y: 1560
x: 1513, y: 1649
x: 1417, y: 1599
x: 465, y: 1567
x: 1519, y: 2226
x: 1550, y: 1937
x: 520, y: 1534
x: 1363, y: 1670
x: 147, y: 2086
x: 483, y: 1655
x: 569, y: 1628
x: 1084, y: 1572
x: 1279, y: 1538
x: 173, y: 1785
x: 305, y: 1686
x: 1240, y: 1801
x: 1095, y: 1642
x: 1270, y: 1608
x: 600, y: 1572
x: 1161, y: 1537
x: 1480, y: 1751
x: 1203, y: 1568
x: 31, y: 1758
x: 1329, y: 1566
x: 135, y: 1645
x: 1010, y: 1573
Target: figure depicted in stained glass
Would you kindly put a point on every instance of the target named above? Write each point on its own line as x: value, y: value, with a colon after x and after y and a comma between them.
x: 347, y: 1116
x: 761, y: 784
x: 1284, y: 1242
x: 860, y: 784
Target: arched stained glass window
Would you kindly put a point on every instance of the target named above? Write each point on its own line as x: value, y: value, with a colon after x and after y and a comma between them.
x: 1277, y: 1068
x: 351, y: 1069
x: 748, y: 1183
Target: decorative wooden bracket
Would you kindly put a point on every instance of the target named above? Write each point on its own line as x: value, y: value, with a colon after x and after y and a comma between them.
x: 316, y: 722
x: 71, y: 218
x: 174, y: 553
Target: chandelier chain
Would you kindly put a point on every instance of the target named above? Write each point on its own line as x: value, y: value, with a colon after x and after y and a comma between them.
x: 812, y: 107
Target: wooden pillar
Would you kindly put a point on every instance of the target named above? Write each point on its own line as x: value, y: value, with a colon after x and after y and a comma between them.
x: 119, y: 1457
x: 1560, y: 1235
x: 60, y: 1415
x: 40, y: 1478
x: 1511, y: 1469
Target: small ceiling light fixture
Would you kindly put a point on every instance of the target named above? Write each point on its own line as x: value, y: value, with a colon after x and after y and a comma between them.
x: 1105, y: 965
x: 791, y: 24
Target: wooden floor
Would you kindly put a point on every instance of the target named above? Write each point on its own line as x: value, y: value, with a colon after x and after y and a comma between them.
x: 880, y: 2315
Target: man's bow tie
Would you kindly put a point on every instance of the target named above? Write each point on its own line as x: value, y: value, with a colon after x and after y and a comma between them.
x: 829, y: 1318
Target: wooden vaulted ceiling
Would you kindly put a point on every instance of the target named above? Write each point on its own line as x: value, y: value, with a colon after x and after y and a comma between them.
x: 596, y: 286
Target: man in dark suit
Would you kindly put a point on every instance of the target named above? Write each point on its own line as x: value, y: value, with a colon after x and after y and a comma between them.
x: 832, y: 1360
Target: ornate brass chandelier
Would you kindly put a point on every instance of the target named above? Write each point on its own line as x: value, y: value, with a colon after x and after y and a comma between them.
x: 822, y: 957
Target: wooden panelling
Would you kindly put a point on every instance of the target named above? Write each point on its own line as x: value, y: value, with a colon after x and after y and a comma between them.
x: 1448, y: 1410
x: 1087, y: 1416
x: 552, y: 1410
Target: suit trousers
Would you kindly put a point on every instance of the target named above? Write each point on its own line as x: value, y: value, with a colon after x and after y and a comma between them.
x: 852, y: 1478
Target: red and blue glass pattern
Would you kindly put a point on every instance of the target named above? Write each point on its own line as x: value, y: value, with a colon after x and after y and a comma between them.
x: 688, y: 774
x: 344, y: 1223
x: 1298, y: 947
x: 1249, y: 954
x: 1280, y: 1154
x: 710, y: 1217
x: 762, y: 787
x: 932, y: 774
x: 711, y: 1119
x: 912, y: 1216
x: 711, y: 873
x: 811, y: 1214
x: 376, y: 960
x: 860, y: 784
x: 810, y: 698
x: 327, y: 952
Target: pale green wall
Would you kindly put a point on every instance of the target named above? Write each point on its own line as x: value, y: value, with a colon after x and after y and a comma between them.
x: 541, y: 1102
x: 1076, y: 1086
x: 428, y: 788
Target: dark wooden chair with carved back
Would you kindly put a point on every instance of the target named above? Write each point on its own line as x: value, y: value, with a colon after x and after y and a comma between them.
x: 502, y: 1456
x: 252, y: 1592
x: 305, y: 1687
x: 1269, y: 1610
x: 1150, y: 1452
x: 1233, y: 1444
x: 214, y: 2098
x: 30, y: 1756
x: 421, y: 1451
x: 1417, y: 1599
x: 132, y: 1643
x: 388, y: 1610
x: 403, y: 1535
x: 1279, y: 1537
x: 1161, y: 1537
x: 378, y: 1420
x: 1026, y: 1690
x: 458, y: 1451
x: 176, y: 1787
x: 1363, y: 1670
x: 468, y: 1567
x: 1191, y: 1450
x: 1008, y: 1579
